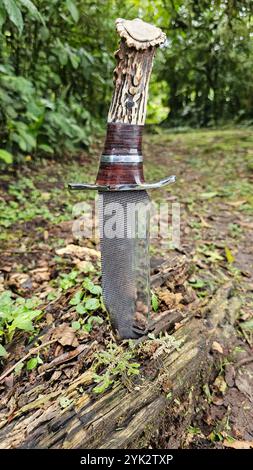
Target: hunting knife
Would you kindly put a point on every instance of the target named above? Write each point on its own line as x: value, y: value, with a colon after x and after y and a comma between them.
x: 124, y: 204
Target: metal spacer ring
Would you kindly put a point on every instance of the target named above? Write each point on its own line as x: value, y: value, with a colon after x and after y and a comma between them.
x: 121, y: 159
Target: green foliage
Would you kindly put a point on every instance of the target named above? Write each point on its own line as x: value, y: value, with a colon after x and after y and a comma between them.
x: 247, y: 325
x: 22, y: 208
x: 86, y: 302
x: 51, y: 74
x: 33, y: 363
x: 3, y: 352
x: 64, y: 402
x: 208, y: 61
x: 18, y: 314
x: 118, y: 364
x: 56, y: 64
x: 68, y: 280
x: 154, y: 302
x: 5, y: 156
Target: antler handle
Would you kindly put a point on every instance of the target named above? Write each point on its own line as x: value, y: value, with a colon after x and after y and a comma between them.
x: 132, y: 73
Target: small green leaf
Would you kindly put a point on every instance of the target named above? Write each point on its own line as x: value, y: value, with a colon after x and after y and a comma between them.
x: 39, y: 360
x: 197, y: 284
x: 87, y: 327
x: 3, y: 352
x: 154, y: 302
x: 80, y: 308
x: 208, y: 195
x: 32, y: 9
x: 14, y: 14
x: 46, y: 148
x: 86, y: 267
x: 92, y: 304
x: 18, y: 368
x: 77, y: 298
x: 73, y: 10
x: 92, y: 319
x: 2, y: 19
x: 7, y: 157
x: 247, y: 325
x: 52, y: 296
x: 229, y: 256
x: 32, y: 363
x: 76, y: 325
x: 65, y: 402
x: 104, y: 382
x: 91, y: 287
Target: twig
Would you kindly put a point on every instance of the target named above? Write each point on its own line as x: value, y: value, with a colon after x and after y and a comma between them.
x: 32, y: 351
x: 67, y: 356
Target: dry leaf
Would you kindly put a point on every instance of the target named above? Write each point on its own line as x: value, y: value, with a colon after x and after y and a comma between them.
x: 6, y: 269
x: 220, y: 384
x: 218, y: 401
x: 79, y: 251
x: 56, y: 375
x: 20, y: 280
x: 45, y: 235
x: 238, y: 444
x: 41, y: 274
x: 237, y: 203
x: 65, y: 335
x: 170, y: 299
x: 84, y: 266
x: 49, y: 319
x: 204, y: 223
x: 244, y: 383
x: 217, y: 347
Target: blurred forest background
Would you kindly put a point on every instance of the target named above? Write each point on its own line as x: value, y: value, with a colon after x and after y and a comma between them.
x: 56, y: 64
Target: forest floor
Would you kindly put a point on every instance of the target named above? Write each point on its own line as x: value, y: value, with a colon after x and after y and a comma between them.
x: 42, y: 259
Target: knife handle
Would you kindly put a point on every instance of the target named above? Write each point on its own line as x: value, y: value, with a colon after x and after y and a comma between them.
x: 133, y: 69
x: 121, y: 161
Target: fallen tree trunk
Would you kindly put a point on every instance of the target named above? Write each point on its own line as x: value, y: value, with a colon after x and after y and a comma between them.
x: 122, y: 417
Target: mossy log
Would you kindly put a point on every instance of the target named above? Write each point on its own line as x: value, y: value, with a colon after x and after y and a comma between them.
x: 123, y: 417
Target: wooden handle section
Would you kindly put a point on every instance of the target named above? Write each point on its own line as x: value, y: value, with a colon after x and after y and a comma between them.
x: 132, y: 73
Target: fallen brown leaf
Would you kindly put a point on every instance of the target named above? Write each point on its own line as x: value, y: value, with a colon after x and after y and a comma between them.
x: 217, y: 347
x: 238, y: 444
x: 220, y: 384
x: 20, y: 280
x: 170, y: 299
x: 40, y: 274
x: 236, y: 203
x: 65, y: 335
x: 79, y: 251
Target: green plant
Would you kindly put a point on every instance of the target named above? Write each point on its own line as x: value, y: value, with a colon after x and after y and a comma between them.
x: 68, y: 280
x: 165, y: 343
x: 33, y: 362
x: 154, y: 302
x: 117, y: 362
x: 194, y: 430
x: 86, y: 301
x: 5, y: 156
x: 18, y: 314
